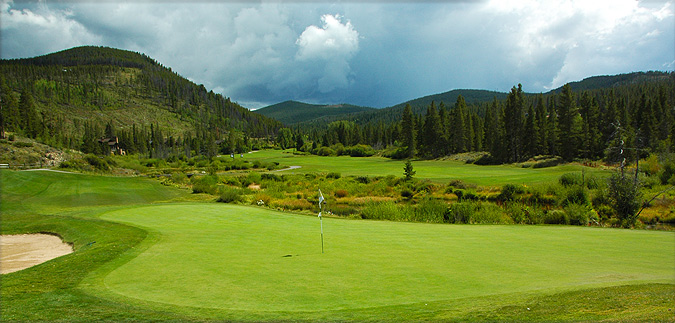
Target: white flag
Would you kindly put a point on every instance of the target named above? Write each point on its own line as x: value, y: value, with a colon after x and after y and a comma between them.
x: 321, y: 199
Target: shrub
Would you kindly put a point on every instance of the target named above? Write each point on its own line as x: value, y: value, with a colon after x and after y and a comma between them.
x: 569, y: 179
x: 341, y: 193
x: 430, y: 210
x: 667, y: 175
x: 360, y: 151
x: 230, y: 195
x: 204, y: 184
x: 576, y: 195
x: 334, y: 175
x: 400, y: 153
x: 363, y: 179
x: 489, y: 213
x: 97, y: 162
x: 509, y: 192
x: 460, y: 212
x: 578, y: 214
x: 458, y: 183
x: 556, y: 217
x: 407, y: 194
x: 626, y: 198
x: 517, y: 212
x: 325, y: 151
x: 271, y: 177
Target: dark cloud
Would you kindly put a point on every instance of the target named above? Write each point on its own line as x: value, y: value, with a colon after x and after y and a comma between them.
x: 371, y: 53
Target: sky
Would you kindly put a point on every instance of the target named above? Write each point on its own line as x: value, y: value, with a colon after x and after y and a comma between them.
x: 371, y: 53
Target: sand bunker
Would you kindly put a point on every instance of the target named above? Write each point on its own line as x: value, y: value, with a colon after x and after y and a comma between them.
x: 26, y: 250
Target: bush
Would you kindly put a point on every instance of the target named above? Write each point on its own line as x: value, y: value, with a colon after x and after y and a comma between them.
x: 626, y: 198
x: 509, y: 192
x: 360, y: 151
x: 230, y: 195
x: 430, y: 210
x: 334, y: 175
x: 407, y: 194
x: 460, y: 212
x: 341, y: 193
x: 271, y: 177
x: 517, y: 212
x: 400, y: 153
x: 325, y: 151
x: 578, y: 214
x: 667, y: 175
x: 97, y: 162
x: 576, y: 195
x: 204, y: 184
x: 363, y: 179
x: 556, y: 217
x: 489, y: 213
x: 570, y: 179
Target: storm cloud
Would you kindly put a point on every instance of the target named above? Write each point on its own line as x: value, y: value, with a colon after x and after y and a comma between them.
x: 374, y: 53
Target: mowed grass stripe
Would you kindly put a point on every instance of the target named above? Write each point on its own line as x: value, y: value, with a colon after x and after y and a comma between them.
x: 232, y: 257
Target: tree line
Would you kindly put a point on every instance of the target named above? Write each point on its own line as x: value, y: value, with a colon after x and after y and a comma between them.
x: 608, y: 123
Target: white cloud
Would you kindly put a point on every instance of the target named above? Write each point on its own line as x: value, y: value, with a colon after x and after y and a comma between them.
x: 334, y: 44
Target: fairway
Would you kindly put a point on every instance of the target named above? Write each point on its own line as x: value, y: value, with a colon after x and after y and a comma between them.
x: 441, y: 171
x: 252, y: 259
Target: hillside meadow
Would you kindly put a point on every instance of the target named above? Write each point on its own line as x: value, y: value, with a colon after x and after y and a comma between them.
x: 145, y: 251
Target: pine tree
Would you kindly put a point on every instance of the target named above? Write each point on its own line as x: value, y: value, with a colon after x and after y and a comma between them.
x: 30, y: 122
x: 590, y: 132
x: 530, y: 135
x: 432, y: 132
x: 408, y: 131
x: 458, y: 126
x: 542, y: 124
x: 513, y: 124
x: 567, y: 118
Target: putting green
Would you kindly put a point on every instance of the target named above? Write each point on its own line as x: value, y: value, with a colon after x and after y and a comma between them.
x: 243, y: 258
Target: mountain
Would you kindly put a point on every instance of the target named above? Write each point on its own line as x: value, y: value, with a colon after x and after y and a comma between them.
x: 612, y: 81
x: 92, y: 88
x: 419, y: 106
x: 292, y: 112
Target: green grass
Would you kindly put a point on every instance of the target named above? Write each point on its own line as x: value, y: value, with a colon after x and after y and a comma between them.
x: 205, y: 261
x: 441, y: 171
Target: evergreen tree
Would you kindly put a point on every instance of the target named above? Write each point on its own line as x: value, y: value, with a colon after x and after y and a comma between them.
x: 530, y: 135
x: 458, y: 126
x: 542, y: 126
x: 30, y: 121
x: 408, y: 131
x: 513, y: 124
x: 567, y: 118
x: 590, y: 132
x: 432, y: 132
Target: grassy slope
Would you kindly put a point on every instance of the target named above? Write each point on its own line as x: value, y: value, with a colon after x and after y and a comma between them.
x: 435, y: 170
x: 55, y: 290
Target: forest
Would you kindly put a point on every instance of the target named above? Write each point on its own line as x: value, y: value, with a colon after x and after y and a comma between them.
x: 75, y: 98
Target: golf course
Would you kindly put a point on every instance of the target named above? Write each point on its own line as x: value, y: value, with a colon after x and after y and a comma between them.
x: 147, y: 251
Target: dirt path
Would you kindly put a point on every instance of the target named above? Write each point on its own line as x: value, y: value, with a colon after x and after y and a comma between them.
x: 289, y: 168
x: 19, y: 252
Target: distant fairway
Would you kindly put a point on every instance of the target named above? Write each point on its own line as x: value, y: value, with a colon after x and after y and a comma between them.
x: 437, y: 170
x: 252, y: 259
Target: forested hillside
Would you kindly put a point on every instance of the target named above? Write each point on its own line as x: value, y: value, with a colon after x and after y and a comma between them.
x: 73, y: 98
x: 613, y: 118
x: 292, y: 112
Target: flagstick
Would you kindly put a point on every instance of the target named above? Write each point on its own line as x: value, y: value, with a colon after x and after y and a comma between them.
x: 321, y: 220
